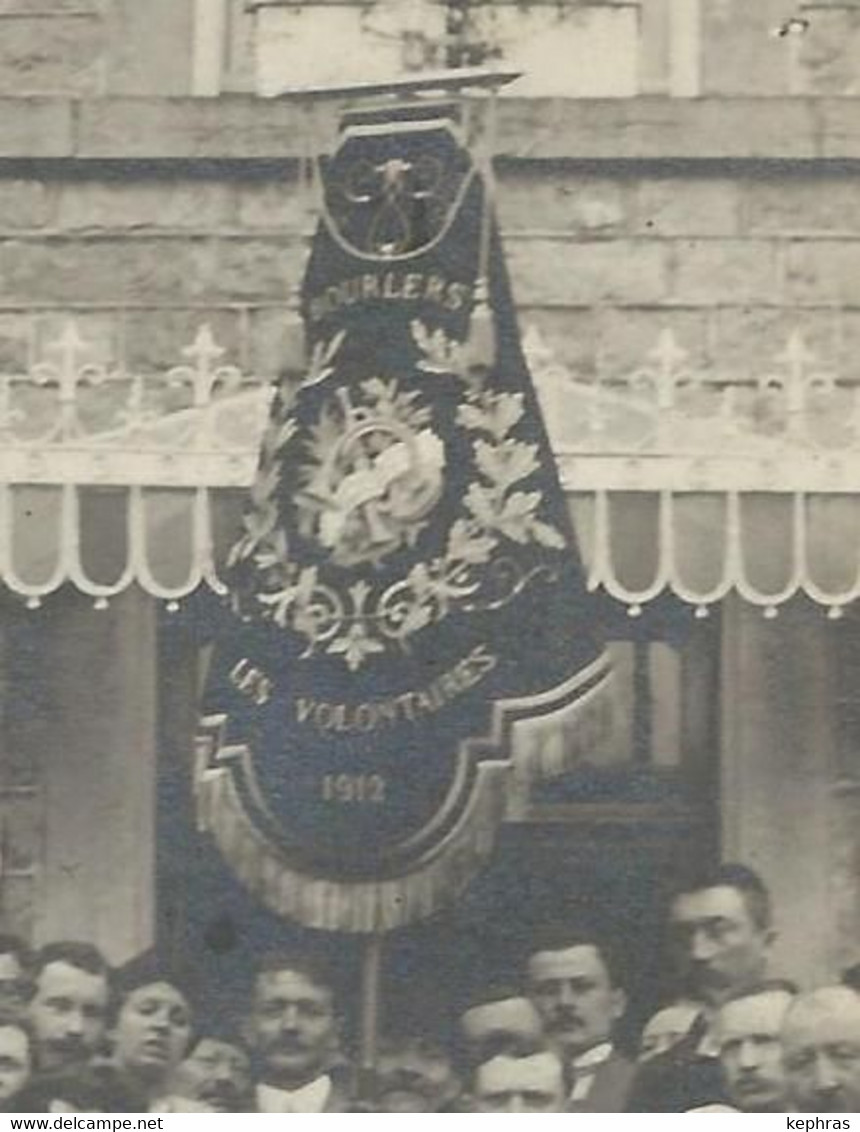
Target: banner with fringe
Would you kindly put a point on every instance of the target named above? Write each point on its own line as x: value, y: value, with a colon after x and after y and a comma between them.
x: 410, y: 621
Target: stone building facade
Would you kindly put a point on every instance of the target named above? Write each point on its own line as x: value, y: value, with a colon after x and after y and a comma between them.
x: 702, y: 184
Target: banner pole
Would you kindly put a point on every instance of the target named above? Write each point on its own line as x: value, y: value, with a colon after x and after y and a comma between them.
x: 371, y: 969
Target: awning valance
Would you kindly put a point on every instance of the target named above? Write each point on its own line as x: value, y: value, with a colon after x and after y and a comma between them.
x: 700, y: 546
x: 678, y: 482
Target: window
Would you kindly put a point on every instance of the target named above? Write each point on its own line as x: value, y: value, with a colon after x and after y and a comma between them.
x: 664, y: 754
x: 566, y: 48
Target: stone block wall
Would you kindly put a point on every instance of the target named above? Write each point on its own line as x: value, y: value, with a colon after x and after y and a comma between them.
x: 601, y: 261
x: 733, y: 264
x: 87, y: 48
x: 52, y: 46
x: 780, y: 47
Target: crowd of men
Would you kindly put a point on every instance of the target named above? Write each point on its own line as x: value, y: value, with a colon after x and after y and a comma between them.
x: 78, y: 1037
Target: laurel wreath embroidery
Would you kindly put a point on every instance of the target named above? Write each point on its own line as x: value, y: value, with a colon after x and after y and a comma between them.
x: 374, y: 475
x: 357, y: 623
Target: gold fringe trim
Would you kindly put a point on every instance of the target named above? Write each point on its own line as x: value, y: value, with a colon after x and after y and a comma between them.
x: 545, y: 746
x: 558, y: 741
x: 343, y: 906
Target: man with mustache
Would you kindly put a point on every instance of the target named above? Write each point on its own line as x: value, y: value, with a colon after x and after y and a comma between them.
x: 747, y: 1035
x: 15, y: 963
x: 721, y: 935
x: 215, y: 1076
x: 821, y: 1050
x: 414, y: 1073
x: 69, y: 1004
x: 293, y: 1031
x: 573, y: 983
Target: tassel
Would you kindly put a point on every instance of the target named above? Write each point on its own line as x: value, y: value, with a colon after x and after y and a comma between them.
x: 481, y: 342
x: 294, y: 358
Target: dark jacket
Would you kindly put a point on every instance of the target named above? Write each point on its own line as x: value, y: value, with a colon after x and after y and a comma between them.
x: 610, y: 1087
x: 89, y: 1089
x: 678, y: 1080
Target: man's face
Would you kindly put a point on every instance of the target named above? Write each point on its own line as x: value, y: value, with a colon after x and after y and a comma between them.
x: 68, y: 1013
x: 721, y: 949
x: 153, y: 1029
x: 414, y: 1075
x: 15, y: 1063
x: 574, y: 995
x: 520, y: 1084
x: 666, y: 1028
x: 821, y: 1049
x: 215, y: 1073
x: 293, y: 1027
x: 748, y: 1035
x: 13, y: 984
x: 500, y: 1027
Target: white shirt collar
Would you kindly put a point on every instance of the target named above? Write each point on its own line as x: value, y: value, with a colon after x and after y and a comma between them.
x: 585, y: 1066
x: 593, y: 1057
x: 707, y: 1046
x: 312, y: 1097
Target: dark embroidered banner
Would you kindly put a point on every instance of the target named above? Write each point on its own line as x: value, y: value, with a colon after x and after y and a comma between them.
x: 411, y: 625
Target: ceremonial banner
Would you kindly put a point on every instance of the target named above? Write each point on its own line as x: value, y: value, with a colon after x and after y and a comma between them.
x: 411, y: 626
